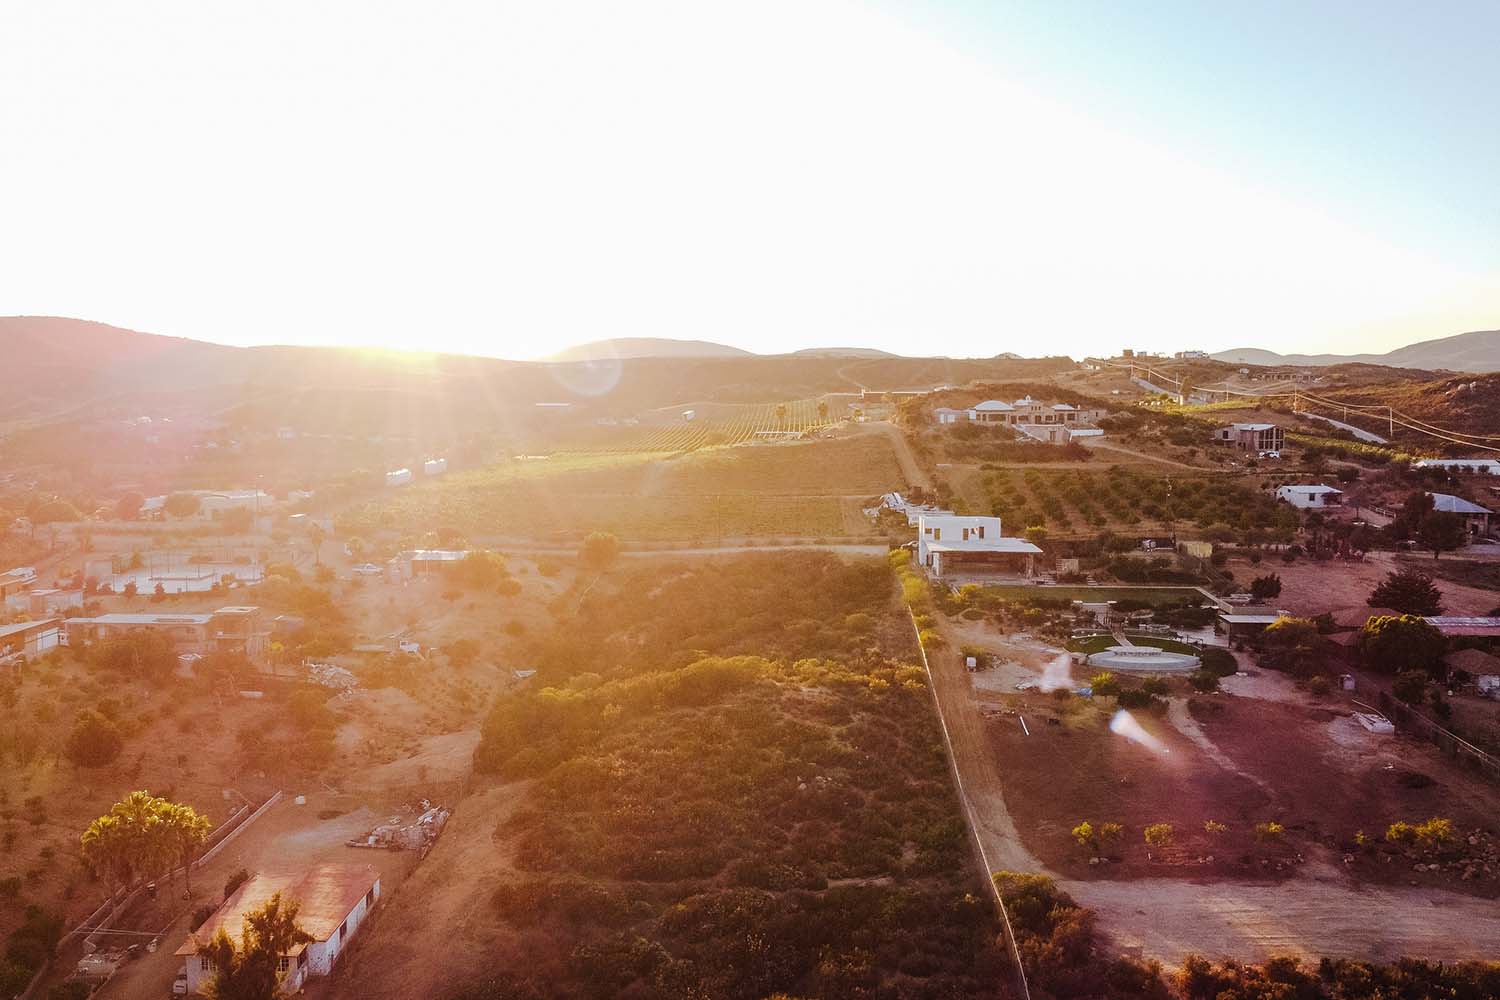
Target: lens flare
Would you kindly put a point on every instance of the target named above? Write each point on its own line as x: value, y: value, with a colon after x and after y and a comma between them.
x: 1057, y: 674
x: 1124, y: 724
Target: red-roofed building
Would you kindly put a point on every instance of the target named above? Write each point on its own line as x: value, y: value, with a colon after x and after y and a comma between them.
x: 333, y: 900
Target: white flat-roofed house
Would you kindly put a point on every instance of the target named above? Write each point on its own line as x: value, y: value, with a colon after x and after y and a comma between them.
x: 949, y: 544
x: 333, y: 901
x: 1476, y: 518
x: 398, y: 477
x: 1313, y: 496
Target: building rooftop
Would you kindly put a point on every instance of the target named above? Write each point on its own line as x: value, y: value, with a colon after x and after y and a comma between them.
x: 1451, y: 625
x: 1248, y: 619
x: 19, y: 628
x: 1017, y: 545
x: 1253, y: 427
x: 325, y: 894
x: 1311, y: 488
x: 117, y: 618
x: 992, y: 404
x: 1449, y: 504
x: 1473, y: 661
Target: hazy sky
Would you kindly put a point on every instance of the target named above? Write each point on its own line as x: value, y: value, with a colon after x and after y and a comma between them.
x: 965, y: 179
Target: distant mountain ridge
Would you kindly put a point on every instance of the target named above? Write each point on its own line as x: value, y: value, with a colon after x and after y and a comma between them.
x: 647, y: 347
x: 1477, y: 351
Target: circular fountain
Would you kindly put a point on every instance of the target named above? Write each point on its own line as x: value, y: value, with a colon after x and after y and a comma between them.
x: 1144, y: 660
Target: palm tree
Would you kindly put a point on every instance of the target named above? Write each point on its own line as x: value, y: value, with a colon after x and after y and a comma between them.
x: 187, y: 829
x: 317, y: 534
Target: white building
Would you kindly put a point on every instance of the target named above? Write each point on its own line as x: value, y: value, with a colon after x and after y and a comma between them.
x: 434, y: 467
x: 948, y: 415
x: 1310, y: 497
x: 950, y: 543
x: 333, y: 901
x: 398, y: 477
x: 1478, y: 466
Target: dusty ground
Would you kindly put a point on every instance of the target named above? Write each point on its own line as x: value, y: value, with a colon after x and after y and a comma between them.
x: 438, y: 914
x: 1310, y: 588
x: 1323, y: 910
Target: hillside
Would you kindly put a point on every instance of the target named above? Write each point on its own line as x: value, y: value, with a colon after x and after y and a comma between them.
x: 53, y: 363
x: 1478, y: 351
x: 842, y: 352
x: 647, y: 347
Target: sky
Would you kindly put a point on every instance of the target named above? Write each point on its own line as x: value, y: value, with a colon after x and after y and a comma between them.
x: 959, y: 178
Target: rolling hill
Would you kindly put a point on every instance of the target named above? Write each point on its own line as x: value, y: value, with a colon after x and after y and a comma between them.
x: 1477, y: 351
x: 647, y: 347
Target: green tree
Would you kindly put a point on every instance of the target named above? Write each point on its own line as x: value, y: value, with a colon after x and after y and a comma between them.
x: 1442, y: 532
x: 1266, y: 587
x: 1159, y: 836
x: 1036, y: 534
x: 1411, y: 686
x: 1291, y: 644
x: 95, y: 741
x: 246, y: 970
x: 128, y: 507
x: 237, y: 521
x: 600, y: 550
x: 143, y: 655
x: 1395, y: 643
x: 131, y: 841
x: 181, y: 505
x: 1408, y: 591
x: 185, y: 830
x: 55, y: 510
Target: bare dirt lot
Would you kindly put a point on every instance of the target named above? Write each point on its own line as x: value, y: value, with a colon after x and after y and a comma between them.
x: 1328, y: 908
x: 1310, y: 588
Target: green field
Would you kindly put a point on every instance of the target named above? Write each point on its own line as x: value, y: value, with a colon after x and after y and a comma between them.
x: 1147, y: 595
x: 803, y: 490
x: 1099, y: 643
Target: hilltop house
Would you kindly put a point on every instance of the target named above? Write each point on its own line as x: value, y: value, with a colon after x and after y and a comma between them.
x: 949, y: 544
x: 333, y: 901
x: 1476, y: 518
x: 1257, y: 438
x: 1055, y: 423
x: 1477, y: 466
x: 236, y: 629
x: 1310, y: 496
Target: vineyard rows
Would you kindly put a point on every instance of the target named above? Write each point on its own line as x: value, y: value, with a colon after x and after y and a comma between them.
x: 737, y: 427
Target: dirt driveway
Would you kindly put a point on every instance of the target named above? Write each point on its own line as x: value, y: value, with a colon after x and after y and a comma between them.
x: 287, y: 837
x: 1321, y: 912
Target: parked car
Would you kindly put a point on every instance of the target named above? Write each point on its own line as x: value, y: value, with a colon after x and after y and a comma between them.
x: 179, y: 985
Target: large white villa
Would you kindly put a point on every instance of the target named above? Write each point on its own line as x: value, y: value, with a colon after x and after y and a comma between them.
x: 950, y: 544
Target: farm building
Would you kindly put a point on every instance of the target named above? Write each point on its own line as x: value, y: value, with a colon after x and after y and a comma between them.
x: 29, y: 638
x: 230, y: 629
x: 420, y: 562
x: 18, y: 582
x: 1476, y: 518
x: 1482, y: 668
x: 398, y: 477
x: 1478, y: 466
x: 949, y: 544
x: 1453, y: 626
x: 1252, y: 437
x: 434, y: 467
x: 333, y: 902
x: 948, y: 415
x: 1310, y: 497
x: 1246, y: 623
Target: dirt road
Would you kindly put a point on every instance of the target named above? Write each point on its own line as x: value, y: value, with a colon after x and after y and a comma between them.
x: 1098, y: 445
x: 910, y: 467
x: 1322, y: 913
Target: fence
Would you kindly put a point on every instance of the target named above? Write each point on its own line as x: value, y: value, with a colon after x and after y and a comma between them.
x: 125, y: 897
x: 1407, y: 718
x: 963, y: 797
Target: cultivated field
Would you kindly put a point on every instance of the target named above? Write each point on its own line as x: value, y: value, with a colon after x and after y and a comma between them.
x: 800, y: 489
